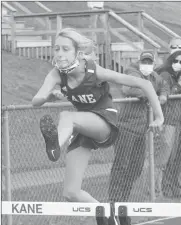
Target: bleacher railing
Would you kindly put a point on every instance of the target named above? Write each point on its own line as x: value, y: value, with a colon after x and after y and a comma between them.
x: 50, y: 29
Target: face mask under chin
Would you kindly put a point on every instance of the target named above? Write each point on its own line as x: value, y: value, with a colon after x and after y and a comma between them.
x: 71, y: 67
x: 56, y: 63
x: 146, y: 70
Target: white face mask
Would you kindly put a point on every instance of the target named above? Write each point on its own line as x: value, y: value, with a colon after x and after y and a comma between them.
x: 56, y: 62
x: 146, y: 69
x: 176, y: 67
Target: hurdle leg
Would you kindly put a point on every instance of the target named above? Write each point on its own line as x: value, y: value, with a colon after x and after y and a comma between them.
x: 101, y: 219
x: 122, y: 214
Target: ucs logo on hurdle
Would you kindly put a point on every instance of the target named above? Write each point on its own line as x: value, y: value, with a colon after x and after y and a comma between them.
x: 81, y: 209
x: 123, y: 210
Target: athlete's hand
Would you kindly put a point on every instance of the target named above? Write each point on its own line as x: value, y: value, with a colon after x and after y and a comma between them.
x: 162, y: 99
x: 58, y: 94
x: 156, y: 126
x: 55, y: 95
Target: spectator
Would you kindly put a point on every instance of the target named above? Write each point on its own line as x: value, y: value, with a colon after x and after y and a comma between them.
x: 130, y: 146
x: 171, y: 72
x: 170, y: 186
x: 174, y: 45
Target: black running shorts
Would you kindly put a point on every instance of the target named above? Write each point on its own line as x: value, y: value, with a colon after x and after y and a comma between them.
x: 110, y: 115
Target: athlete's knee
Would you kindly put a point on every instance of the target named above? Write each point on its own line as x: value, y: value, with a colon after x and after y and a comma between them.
x: 69, y: 117
x: 71, y: 195
x: 65, y: 115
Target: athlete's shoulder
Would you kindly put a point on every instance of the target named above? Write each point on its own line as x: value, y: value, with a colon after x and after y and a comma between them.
x: 54, y: 74
x: 90, y: 66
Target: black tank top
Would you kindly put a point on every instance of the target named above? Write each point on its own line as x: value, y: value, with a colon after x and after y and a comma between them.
x: 89, y: 95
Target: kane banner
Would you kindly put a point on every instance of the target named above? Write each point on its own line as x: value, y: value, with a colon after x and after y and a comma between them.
x: 55, y: 208
x: 91, y: 209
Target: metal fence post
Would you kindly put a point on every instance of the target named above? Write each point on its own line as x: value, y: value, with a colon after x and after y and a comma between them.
x: 141, y: 25
x: 13, y: 34
x: 7, y: 161
x: 59, y: 24
x: 151, y: 157
x: 107, y: 43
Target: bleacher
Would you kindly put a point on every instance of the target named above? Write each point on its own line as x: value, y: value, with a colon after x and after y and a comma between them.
x: 131, y: 31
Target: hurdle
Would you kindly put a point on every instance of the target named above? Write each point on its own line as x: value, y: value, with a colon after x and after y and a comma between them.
x: 122, y: 209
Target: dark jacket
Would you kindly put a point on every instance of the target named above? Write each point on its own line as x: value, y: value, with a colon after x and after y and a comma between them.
x: 170, y: 76
x: 172, y: 110
x: 166, y: 66
x: 160, y: 86
x: 135, y: 115
x: 172, y: 81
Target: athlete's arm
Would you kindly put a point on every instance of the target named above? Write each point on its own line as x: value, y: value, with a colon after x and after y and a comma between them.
x: 145, y: 85
x: 44, y: 92
x: 132, y: 91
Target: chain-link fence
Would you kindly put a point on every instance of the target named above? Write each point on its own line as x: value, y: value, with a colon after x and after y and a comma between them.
x: 120, y: 173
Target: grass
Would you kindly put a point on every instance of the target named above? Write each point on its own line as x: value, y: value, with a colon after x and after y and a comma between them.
x: 21, y: 78
x: 20, y: 82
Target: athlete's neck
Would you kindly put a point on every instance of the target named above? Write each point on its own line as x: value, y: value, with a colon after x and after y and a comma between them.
x: 76, y: 73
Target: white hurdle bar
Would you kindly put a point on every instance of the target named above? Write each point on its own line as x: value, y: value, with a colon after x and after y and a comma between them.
x: 122, y: 209
x: 56, y: 208
x: 148, y: 209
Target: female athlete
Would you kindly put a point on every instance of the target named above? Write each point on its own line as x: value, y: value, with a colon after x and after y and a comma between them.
x: 94, y: 124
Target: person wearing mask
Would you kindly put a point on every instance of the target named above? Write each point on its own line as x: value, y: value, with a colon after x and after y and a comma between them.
x: 93, y: 124
x: 171, y: 72
x: 169, y: 189
x: 173, y: 46
x: 130, y: 147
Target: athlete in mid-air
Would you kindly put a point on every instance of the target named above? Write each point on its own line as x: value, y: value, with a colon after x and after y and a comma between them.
x: 94, y: 124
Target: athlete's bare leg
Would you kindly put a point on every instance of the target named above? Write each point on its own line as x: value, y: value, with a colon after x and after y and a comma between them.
x: 86, y: 123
